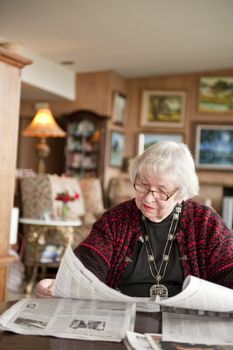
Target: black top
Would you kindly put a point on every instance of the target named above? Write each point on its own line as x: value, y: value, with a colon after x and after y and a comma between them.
x: 137, y: 279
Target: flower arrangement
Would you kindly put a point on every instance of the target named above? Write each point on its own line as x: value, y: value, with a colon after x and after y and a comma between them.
x: 66, y: 197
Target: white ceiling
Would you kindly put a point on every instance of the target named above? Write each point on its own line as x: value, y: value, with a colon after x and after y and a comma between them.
x: 133, y: 37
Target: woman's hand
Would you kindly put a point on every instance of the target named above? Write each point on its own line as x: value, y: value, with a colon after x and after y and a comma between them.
x: 44, y: 288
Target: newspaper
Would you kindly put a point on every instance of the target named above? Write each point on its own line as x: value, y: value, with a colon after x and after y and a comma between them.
x: 73, y: 280
x: 68, y: 318
x: 153, y: 341
x: 138, y: 341
x: 199, y: 294
x: 199, y: 329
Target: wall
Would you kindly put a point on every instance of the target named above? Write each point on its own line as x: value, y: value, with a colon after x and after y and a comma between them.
x: 95, y: 90
x: 182, y: 82
x: 212, y: 182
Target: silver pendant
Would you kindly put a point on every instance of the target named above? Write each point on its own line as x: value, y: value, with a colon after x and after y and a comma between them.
x: 158, y: 290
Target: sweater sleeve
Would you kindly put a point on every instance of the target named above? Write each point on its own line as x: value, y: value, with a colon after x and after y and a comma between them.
x: 111, y: 241
x: 208, y: 244
x: 96, y: 250
x: 220, y: 267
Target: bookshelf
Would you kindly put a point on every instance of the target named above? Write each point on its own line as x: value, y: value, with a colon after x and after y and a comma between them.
x: 85, y: 142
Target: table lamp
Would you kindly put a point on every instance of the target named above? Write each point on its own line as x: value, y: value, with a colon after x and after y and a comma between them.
x: 43, y: 126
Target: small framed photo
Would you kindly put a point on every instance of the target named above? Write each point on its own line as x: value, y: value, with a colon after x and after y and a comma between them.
x: 163, y: 108
x: 119, y: 108
x: 146, y: 140
x: 214, y: 147
x: 117, y: 149
x: 215, y: 94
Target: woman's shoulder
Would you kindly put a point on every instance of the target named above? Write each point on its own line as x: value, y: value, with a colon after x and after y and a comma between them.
x: 195, y: 206
x: 200, y: 214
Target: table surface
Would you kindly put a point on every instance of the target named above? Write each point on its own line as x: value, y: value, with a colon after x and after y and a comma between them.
x: 145, y: 323
x: 39, y: 222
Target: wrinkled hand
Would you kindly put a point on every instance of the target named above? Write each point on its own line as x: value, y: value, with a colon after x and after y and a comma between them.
x: 44, y: 288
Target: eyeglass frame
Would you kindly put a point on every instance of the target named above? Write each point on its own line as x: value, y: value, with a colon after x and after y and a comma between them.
x: 153, y: 192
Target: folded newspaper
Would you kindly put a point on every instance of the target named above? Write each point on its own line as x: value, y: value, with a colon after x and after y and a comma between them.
x: 73, y: 280
x: 70, y: 318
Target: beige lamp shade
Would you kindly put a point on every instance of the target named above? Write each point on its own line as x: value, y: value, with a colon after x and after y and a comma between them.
x: 43, y: 125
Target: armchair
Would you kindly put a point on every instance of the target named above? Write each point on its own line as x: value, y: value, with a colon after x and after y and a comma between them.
x: 38, y: 195
x: 44, y: 241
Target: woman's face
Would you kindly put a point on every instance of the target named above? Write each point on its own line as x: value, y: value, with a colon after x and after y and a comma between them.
x: 153, y: 205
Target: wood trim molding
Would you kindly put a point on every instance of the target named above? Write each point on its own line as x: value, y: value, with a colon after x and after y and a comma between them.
x: 13, y: 58
x: 7, y: 259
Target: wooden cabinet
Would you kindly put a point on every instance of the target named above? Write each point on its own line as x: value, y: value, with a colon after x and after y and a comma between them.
x: 85, y: 144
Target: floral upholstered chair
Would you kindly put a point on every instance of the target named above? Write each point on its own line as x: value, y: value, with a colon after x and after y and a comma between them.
x: 39, y: 193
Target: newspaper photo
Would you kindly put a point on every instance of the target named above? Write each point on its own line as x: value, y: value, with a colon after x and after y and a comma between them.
x: 73, y: 280
x: 69, y: 318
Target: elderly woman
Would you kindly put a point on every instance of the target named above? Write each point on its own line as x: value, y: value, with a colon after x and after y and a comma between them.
x: 148, y: 245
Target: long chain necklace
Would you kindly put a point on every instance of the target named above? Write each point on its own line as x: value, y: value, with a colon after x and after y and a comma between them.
x: 160, y: 290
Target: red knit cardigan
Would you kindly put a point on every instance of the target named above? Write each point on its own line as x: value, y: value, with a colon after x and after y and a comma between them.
x: 205, y: 243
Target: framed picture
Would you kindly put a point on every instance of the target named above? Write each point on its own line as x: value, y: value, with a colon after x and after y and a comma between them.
x: 117, y: 149
x: 214, y: 147
x: 119, y: 108
x: 146, y: 140
x: 163, y: 108
x: 215, y: 94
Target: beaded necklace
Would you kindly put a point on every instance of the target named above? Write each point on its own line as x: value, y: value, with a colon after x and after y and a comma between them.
x: 158, y: 272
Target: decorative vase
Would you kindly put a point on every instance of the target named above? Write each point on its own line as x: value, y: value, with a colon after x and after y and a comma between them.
x: 65, y: 211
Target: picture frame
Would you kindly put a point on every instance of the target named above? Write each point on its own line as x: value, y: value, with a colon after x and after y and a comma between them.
x: 163, y: 108
x: 214, y: 147
x: 117, y: 149
x: 215, y: 94
x: 146, y: 140
x: 119, y: 108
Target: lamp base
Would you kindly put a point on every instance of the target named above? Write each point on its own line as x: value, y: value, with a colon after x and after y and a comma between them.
x: 43, y: 151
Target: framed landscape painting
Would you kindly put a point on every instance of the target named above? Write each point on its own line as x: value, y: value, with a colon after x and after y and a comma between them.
x: 214, y: 147
x: 146, y: 140
x: 117, y: 149
x: 215, y: 94
x: 163, y: 108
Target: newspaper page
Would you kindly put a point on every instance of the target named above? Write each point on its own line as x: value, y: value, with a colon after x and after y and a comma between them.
x: 69, y: 318
x: 199, y: 329
x: 74, y: 280
x: 155, y: 340
x: 202, y: 295
x: 158, y: 344
x: 137, y: 341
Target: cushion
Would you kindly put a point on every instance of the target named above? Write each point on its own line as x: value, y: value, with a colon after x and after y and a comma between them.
x: 61, y: 184
x: 93, y: 198
x: 38, y: 195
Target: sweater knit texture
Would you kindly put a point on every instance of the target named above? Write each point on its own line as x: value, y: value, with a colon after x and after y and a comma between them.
x: 205, y: 243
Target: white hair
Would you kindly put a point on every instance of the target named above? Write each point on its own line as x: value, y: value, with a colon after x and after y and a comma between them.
x: 173, y: 160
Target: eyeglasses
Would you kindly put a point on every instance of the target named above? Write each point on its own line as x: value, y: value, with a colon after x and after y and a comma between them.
x: 144, y: 188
